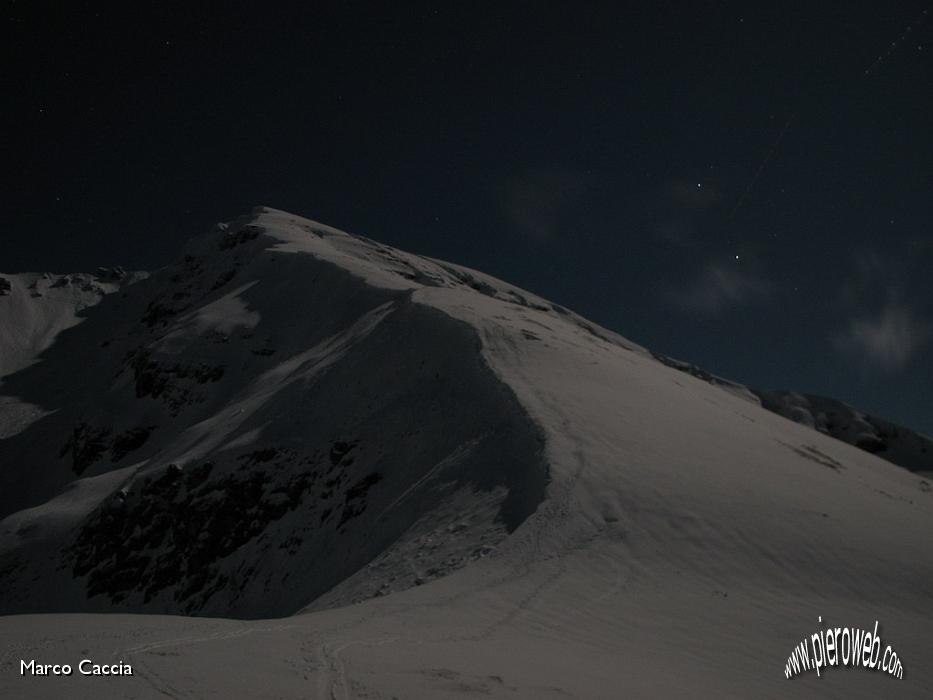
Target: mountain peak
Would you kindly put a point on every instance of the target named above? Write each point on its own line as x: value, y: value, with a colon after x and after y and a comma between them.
x: 291, y: 416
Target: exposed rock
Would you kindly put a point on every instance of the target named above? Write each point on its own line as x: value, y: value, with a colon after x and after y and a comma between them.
x: 110, y: 274
x: 86, y: 445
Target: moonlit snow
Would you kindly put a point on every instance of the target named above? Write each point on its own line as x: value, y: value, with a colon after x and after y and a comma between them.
x: 299, y: 463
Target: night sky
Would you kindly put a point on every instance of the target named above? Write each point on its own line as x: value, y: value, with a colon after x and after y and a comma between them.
x: 746, y: 186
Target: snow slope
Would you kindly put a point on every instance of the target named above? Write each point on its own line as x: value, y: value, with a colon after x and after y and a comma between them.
x: 34, y: 309
x: 242, y: 431
x: 610, y: 526
x: 894, y: 443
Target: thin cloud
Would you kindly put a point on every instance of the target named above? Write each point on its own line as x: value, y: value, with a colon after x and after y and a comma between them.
x: 719, y: 287
x: 539, y: 201
x: 888, y: 341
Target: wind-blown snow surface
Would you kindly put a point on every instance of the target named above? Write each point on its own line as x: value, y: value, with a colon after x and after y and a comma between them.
x: 611, y: 527
x: 894, y: 443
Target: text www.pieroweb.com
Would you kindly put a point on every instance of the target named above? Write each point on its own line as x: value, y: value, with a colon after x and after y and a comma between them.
x: 843, y: 646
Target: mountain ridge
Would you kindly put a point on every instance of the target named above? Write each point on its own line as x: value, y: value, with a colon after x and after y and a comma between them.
x: 438, y: 484
x: 895, y: 443
x: 176, y: 378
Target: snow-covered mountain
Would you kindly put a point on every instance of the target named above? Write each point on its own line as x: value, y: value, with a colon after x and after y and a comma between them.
x: 894, y: 443
x: 242, y: 431
x: 521, y: 503
x: 34, y: 309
